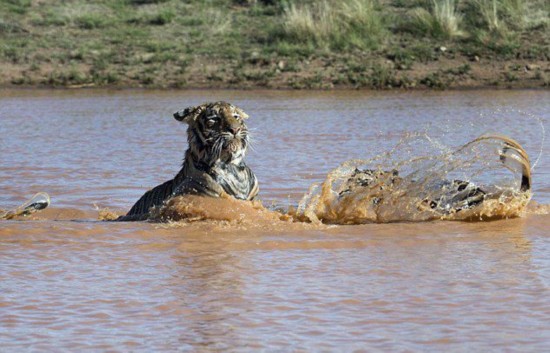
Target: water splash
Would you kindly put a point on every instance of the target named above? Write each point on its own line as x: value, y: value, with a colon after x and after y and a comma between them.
x: 487, y: 178
x: 542, y: 140
x: 38, y: 202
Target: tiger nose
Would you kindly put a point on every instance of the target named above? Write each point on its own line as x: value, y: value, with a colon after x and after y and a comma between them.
x: 234, y: 130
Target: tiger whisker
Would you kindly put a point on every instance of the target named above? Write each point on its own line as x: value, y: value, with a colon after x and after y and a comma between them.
x: 248, y: 140
x: 217, y: 149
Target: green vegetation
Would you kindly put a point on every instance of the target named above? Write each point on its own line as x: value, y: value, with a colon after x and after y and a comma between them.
x: 441, y: 21
x: 274, y: 43
x: 336, y: 25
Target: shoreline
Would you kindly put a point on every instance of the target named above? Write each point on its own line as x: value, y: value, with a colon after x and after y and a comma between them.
x: 374, y: 74
x: 12, y: 87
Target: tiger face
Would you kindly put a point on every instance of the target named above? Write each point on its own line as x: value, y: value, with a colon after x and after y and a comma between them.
x: 217, y: 132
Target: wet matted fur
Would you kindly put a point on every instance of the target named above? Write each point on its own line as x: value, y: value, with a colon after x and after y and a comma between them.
x: 213, y: 166
x: 446, y: 196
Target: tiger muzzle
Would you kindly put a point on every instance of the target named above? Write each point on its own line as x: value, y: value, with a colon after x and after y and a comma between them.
x: 233, y: 145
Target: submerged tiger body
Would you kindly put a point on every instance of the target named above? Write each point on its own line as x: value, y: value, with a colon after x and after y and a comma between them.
x: 443, y: 196
x: 213, y: 166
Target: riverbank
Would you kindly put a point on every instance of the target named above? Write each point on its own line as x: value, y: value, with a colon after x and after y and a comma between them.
x: 273, y: 44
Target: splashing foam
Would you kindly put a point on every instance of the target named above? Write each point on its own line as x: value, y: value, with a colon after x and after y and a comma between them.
x: 488, y: 178
x: 192, y: 208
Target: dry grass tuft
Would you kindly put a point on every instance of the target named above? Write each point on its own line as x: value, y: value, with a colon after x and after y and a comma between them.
x: 442, y: 21
x: 350, y: 23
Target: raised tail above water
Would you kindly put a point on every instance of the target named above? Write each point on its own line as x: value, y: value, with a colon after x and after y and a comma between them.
x: 460, y: 194
x: 512, y: 156
x: 38, y: 202
x: 512, y: 153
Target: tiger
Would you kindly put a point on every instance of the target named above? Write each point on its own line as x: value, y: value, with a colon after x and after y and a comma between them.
x: 213, y: 166
x: 447, y: 196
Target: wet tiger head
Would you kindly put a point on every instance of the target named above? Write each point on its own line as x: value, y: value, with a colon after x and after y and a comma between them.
x: 216, y: 132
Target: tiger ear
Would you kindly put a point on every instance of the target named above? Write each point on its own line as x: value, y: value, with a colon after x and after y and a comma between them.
x: 189, y: 114
x: 241, y: 113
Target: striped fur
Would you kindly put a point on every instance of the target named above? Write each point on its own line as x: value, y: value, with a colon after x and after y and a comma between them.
x: 213, y: 166
x: 447, y: 195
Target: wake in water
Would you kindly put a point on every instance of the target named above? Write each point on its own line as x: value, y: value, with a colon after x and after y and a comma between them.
x: 488, y: 178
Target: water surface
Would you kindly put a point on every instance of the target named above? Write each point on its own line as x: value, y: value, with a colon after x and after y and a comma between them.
x: 95, y: 286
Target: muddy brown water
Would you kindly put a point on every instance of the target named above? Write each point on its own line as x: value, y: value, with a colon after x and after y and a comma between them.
x: 69, y: 282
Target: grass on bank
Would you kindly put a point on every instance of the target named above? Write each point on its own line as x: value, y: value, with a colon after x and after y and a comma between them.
x: 441, y: 20
x: 337, y: 25
x: 341, y: 25
x: 168, y: 42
